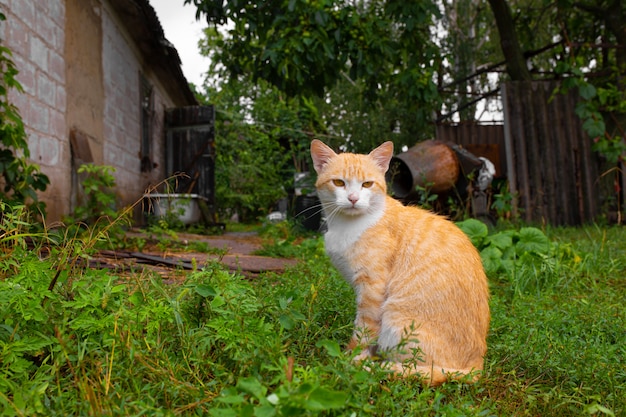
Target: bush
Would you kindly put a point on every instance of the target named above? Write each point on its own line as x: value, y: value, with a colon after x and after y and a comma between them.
x: 251, y: 172
x: 526, y: 258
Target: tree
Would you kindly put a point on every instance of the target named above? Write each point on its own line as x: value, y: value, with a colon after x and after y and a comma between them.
x: 466, y: 48
x: 589, y: 55
x: 394, y: 64
x: 511, y: 48
x: 306, y: 48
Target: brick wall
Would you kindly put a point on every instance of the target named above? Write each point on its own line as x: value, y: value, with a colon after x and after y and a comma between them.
x: 34, y: 31
x: 121, y: 109
x: 123, y: 68
x: 42, y: 35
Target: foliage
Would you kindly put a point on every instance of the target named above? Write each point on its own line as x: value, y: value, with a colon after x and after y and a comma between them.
x: 466, y: 42
x: 527, y: 260
x: 97, y: 220
x: 596, y: 103
x: 221, y: 345
x: 378, y: 55
x: 502, y: 200
x: 382, y: 70
x: 256, y: 162
x: 98, y: 184
x: 20, y: 179
x: 287, y: 239
x: 314, y: 46
x: 358, y: 122
x: 585, y: 46
x: 425, y: 196
x: 305, y: 46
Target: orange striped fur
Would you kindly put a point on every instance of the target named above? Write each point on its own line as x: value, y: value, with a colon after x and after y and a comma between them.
x: 419, y: 281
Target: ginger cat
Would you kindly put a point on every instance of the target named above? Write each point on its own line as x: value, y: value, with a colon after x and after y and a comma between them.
x: 419, y: 281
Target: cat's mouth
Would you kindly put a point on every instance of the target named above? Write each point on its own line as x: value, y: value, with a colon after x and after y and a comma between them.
x: 352, y: 210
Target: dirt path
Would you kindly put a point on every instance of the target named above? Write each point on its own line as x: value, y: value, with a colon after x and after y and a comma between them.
x: 235, y: 251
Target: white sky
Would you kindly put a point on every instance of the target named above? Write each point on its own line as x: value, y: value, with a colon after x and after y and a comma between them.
x: 181, y: 29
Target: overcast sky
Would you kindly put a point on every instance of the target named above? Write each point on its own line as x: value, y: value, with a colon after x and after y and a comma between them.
x: 181, y: 28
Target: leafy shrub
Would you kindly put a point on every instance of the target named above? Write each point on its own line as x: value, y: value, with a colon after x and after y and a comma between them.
x: 259, y: 139
x: 526, y: 258
x: 250, y: 172
x: 96, y: 222
x: 100, y: 200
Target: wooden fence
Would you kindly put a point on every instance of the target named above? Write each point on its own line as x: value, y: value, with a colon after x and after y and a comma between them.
x: 543, y: 151
x: 555, y: 173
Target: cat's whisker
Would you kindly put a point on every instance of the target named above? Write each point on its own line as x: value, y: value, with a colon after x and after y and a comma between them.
x: 307, y: 214
x: 317, y: 207
x: 332, y: 213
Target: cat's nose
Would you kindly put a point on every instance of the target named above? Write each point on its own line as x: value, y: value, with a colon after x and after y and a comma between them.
x: 353, y: 198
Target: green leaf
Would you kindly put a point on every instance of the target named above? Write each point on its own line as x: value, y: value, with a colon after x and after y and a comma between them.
x: 265, y: 411
x: 324, y: 399
x: 217, y: 302
x: 118, y: 288
x: 205, y: 290
x: 252, y: 386
x: 594, y: 127
x: 222, y: 412
x: 532, y: 239
x: 500, y: 240
x: 492, y: 260
x: 587, y: 91
x: 476, y: 230
x: 231, y: 399
x: 332, y: 347
x: 286, y: 321
x: 136, y: 298
x: 596, y: 408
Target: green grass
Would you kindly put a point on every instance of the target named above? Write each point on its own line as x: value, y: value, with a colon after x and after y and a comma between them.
x: 223, y: 345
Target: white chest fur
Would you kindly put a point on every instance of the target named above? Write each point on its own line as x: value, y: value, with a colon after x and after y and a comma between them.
x: 343, y: 233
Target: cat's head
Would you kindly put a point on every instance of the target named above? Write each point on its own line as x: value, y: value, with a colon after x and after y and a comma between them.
x: 351, y: 184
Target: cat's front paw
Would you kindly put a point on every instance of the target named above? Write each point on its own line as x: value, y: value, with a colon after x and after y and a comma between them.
x: 364, y: 354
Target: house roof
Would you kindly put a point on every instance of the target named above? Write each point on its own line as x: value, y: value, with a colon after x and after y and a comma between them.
x: 142, y: 23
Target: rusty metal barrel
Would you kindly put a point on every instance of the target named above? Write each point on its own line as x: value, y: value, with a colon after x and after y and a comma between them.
x: 430, y: 164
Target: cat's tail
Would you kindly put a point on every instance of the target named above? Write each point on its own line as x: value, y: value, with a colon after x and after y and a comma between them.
x: 434, y: 375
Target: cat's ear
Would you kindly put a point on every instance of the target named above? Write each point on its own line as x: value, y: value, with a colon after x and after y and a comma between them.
x: 321, y: 154
x: 382, y: 155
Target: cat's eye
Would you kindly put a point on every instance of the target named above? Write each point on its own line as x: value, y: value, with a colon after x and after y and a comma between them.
x: 367, y: 184
x: 339, y: 183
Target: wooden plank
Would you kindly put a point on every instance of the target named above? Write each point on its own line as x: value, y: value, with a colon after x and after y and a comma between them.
x: 554, y: 168
x: 520, y: 137
x: 547, y: 149
x: 160, y: 260
x: 545, y: 154
x: 79, y: 144
x: 564, y: 161
x: 509, y: 149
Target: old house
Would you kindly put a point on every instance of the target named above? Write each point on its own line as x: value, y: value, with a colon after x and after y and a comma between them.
x: 98, y: 77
